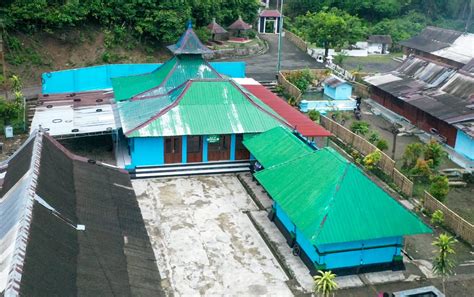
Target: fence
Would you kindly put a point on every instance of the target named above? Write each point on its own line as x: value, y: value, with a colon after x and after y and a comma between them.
x: 296, y: 40
x: 290, y: 88
x: 386, y: 164
x: 458, y: 225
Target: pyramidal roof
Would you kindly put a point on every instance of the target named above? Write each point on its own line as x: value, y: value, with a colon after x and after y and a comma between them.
x: 240, y: 24
x: 215, y: 28
x: 189, y: 44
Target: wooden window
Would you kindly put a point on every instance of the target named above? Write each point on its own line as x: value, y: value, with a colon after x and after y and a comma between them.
x: 194, y: 144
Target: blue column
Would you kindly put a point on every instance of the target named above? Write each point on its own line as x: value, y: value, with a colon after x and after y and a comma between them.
x: 232, y: 147
x: 204, y: 148
x: 184, y: 149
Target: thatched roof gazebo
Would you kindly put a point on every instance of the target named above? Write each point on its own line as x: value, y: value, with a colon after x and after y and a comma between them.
x: 217, y: 32
x: 239, y: 25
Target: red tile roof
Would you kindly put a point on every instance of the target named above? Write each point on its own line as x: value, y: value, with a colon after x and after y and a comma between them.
x: 270, y: 13
x: 302, y: 123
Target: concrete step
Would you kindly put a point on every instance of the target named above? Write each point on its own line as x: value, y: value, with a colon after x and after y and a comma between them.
x: 169, y: 170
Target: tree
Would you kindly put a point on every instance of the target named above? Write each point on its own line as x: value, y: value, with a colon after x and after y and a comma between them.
x: 340, y: 58
x: 439, y: 187
x: 412, y: 153
x: 324, y: 283
x: 434, y: 151
x: 372, y: 159
x: 422, y: 170
x: 443, y: 265
x: 360, y: 127
x: 330, y: 28
x: 437, y: 218
x: 9, y: 109
x: 382, y: 144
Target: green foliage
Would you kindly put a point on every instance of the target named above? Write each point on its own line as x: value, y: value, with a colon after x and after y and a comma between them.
x: 412, y: 153
x: 360, y: 127
x: 372, y: 159
x: 382, y: 144
x: 324, y: 283
x: 10, y: 109
x: 340, y: 58
x: 300, y: 78
x: 434, y: 151
x: 314, y: 115
x: 203, y: 33
x: 443, y: 264
x: 422, y: 170
x: 374, y: 137
x: 439, y: 187
x: 437, y: 218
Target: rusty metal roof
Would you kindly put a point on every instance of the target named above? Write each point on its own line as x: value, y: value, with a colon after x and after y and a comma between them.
x: 334, y: 81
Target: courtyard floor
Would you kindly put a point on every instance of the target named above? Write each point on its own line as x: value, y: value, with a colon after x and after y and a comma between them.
x: 204, y: 241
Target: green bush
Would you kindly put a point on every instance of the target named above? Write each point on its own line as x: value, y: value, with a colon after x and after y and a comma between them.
x: 360, y: 127
x: 314, y: 115
x: 437, y: 218
x: 434, y: 151
x: 301, y: 79
x: 372, y: 159
x: 374, y: 137
x: 382, y: 144
x: 439, y: 187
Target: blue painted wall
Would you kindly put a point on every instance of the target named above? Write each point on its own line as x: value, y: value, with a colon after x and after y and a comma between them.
x: 341, y: 92
x: 232, y: 147
x: 184, y: 149
x: 147, y: 151
x: 204, y: 148
x: 464, y: 145
x: 343, y: 258
x: 99, y: 77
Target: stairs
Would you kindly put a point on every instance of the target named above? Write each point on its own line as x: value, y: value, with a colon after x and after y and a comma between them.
x: 269, y: 84
x: 31, y: 103
x: 170, y: 170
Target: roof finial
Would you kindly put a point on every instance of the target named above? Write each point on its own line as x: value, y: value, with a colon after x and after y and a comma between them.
x: 189, y: 25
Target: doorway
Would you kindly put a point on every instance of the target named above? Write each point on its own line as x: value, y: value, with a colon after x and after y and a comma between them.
x: 241, y: 152
x: 194, y: 145
x: 219, y: 148
x: 173, y: 149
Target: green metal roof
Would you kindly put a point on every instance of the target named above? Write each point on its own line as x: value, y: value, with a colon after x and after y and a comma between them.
x: 201, y: 107
x: 167, y: 77
x: 330, y: 200
x: 276, y: 146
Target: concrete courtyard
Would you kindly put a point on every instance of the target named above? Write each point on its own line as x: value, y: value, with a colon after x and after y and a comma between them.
x: 203, y: 239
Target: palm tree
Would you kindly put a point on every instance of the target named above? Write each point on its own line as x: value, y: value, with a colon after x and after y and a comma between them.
x: 443, y: 264
x: 324, y: 283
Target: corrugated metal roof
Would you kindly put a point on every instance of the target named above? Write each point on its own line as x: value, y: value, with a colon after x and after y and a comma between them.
x: 276, y: 146
x: 170, y: 75
x: 296, y: 119
x: 334, y: 81
x: 330, y: 200
x: 189, y: 43
x: 202, y: 107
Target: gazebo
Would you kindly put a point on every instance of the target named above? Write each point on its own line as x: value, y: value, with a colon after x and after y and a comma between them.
x: 269, y: 21
x: 239, y: 25
x: 218, y: 33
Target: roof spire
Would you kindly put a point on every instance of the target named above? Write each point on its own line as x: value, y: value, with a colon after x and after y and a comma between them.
x: 189, y: 24
x: 189, y: 43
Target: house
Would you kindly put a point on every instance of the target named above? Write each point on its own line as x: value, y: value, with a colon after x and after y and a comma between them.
x: 337, y: 88
x: 453, y: 48
x: 71, y: 227
x: 434, y: 96
x: 379, y: 44
x: 332, y: 215
x: 269, y: 21
x: 217, y: 32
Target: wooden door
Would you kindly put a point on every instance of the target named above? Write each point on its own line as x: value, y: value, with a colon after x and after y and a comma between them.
x: 173, y: 149
x: 241, y: 152
x: 194, y: 149
x: 219, y: 150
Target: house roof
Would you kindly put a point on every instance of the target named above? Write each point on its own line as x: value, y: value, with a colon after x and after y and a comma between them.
x: 189, y: 43
x: 42, y: 211
x: 270, y: 13
x: 330, y: 200
x: 384, y: 39
x: 334, y: 81
x: 302, y: 123
x: 215, y: 28
x: 445, y: 43
x: 239, y: 24
x: 165, y: 78
x: 288, y: 146
x: 199, y: 107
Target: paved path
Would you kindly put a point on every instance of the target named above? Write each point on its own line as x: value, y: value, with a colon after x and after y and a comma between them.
x: 263, y: 67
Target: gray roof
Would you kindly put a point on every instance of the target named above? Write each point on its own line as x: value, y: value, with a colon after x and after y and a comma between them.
x: 384, y: 39
x: 112, y: 256
x: 334, y: 81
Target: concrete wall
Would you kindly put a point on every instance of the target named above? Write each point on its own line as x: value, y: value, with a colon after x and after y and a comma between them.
x: 341, y: 92
x: 464, y: 145
x: 343, y: 255
x: 147, y: 151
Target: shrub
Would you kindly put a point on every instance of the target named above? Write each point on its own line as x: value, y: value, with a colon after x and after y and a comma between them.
x: 314, y: 115
x: 301, y: 79
x: 203, y: 34
x: 412, y: 153
x: 422, y: 169
x: 374, y: 137
x: 382, y: 144
x: 437, y: 218
x: 360, y: 127
x: 434, y: 151
x: 372, y: 159
x: 439, y: 187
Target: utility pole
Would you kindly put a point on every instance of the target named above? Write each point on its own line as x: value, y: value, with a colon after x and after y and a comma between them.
x: 2, y: 54
x: 280, y: 29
